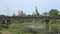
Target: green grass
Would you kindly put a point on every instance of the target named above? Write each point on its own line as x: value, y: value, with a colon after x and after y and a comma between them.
x: 25, y: 31
x: 36, y: 23
x: 29, y: 30
x: 28, y: 23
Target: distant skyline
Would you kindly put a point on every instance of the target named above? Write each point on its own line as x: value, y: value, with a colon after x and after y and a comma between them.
x: 28, y: 6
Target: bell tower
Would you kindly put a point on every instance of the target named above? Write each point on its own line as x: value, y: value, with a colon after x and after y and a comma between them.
x: 36, y: 11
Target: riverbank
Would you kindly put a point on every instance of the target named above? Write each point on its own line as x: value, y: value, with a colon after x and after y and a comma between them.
x: 30, y: 27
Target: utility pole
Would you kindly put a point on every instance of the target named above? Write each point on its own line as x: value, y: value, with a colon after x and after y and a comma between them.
x: 7, y: 11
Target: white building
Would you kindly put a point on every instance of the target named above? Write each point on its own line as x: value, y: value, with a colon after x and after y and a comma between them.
x: 45, y: 14
x: 19, y: 13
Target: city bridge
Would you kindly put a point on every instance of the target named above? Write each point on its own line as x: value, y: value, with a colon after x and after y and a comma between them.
x: 45, y: 18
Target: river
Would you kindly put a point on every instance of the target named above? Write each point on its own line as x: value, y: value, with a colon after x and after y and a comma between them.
x: 37, y: 27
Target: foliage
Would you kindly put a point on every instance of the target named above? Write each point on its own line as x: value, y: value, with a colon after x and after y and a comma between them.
x: 49, y: 32
x: 54, y: 30
x: 0, y: 33
x: 28, y: 23
x: 32, y: 31
x: 2, y: 23
x: 53, y: 12
x: 25, y: 30
x: 53, y: 21
x: 29, y: 15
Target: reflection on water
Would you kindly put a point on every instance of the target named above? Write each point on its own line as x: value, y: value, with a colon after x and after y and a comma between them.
x: 37, y: 27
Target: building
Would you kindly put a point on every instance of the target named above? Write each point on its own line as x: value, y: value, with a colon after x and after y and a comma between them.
x: 45, y: 14
x: 19, y: 13
x: 35, y: 12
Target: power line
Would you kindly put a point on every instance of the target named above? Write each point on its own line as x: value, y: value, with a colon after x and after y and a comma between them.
x: 7, y: 11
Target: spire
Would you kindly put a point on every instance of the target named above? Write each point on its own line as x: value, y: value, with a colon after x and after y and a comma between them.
x: 36, y: 11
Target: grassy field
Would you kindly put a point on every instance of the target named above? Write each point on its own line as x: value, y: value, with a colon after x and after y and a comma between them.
x: 30, y: 30
x: 36, y: 23
x: 25, y: 31
x: 27, y: 23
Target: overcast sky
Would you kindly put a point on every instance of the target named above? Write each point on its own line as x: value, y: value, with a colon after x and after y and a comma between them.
x: 28, y: 6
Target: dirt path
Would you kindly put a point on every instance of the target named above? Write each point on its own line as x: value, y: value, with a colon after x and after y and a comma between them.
x: 5, y: 32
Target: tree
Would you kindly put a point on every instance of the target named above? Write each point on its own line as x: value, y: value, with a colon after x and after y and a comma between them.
x: 53, y: 12
x: 29, y: 15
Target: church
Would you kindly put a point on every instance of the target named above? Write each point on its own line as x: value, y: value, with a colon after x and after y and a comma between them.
x: 36, y: 13
x: 20, y: 13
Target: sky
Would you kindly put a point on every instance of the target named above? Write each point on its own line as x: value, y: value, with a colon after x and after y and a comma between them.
x: 8, y: 7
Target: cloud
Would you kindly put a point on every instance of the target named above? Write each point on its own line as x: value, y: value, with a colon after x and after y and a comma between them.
x: 3, y: 9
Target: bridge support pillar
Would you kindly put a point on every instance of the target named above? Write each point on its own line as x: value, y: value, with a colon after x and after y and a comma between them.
x: 47, y: 25
x: 8, y: 22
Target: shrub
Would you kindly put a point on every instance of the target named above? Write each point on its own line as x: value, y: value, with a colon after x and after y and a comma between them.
x: 0, y: 33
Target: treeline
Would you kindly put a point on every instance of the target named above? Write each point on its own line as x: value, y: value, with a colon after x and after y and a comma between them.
x: 52, y: 12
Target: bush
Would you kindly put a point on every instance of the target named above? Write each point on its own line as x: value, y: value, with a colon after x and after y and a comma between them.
x: 54, y: 30
x: 0, y: 33
x: 26, y: 31
x: 53, y: 21
x: 49, y: 32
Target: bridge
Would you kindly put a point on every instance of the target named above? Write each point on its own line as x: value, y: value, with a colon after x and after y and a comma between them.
x: 45, y: 18
x: 29, y: 17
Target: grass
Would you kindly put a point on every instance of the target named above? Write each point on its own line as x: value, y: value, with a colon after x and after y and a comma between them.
x: 25, y: 31
x: 29, y: 30
x: 5, y: 32
x: 36, y: 23
x: 28, y: 24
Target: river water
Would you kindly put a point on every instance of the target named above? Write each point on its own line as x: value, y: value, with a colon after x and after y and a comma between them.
x: 37, y: 27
